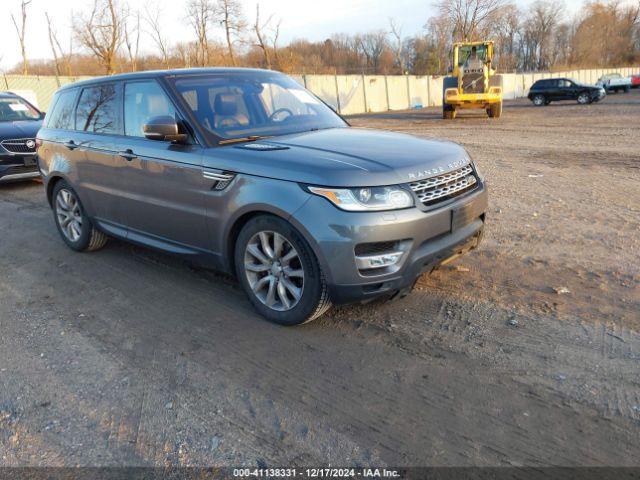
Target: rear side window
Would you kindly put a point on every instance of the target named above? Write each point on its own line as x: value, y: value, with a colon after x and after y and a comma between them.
x: 61, y: 117
x: 99, y: 110
x: 142, y: 101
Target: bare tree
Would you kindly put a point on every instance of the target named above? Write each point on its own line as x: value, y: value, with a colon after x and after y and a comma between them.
x: 232, y: 20
x: 59, y: 55
x: 537, y: 43
x: 102, y: 32
x: 262, y: 36
x: 398, y: 46
x: 200, y: 14
x: 467, y: 16
x: 53, y: 46
x: 69, y: 53
x: 153, y: 20
x: 505, y: 30
x: 132, y: 41
x: 372, y: 45
x: 274, y: 43
x: 186, y: 53
x: 21, y: 30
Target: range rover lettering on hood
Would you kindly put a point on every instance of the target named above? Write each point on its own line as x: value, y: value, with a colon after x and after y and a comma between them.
x: 438, y: 170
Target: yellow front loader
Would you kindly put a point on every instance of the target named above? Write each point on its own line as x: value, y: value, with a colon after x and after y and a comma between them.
x: 474, y: 82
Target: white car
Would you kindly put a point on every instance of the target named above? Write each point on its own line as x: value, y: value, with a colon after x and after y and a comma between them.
x: 614, y: 82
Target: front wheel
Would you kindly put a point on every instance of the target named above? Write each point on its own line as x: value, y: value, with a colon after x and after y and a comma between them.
x: 584, y: 98
x: 495, y: 110
x: 279, y: 272
x: 448, y: 112
x: 539, y: 100
x: 74, y: 225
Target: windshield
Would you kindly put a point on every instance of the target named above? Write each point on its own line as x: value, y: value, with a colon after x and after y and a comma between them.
x: 470, y: 53
x: 13, y: 109
x: 241, y: 105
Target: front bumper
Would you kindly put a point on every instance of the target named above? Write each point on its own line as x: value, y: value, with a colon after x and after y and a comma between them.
x: 18, y: 167
x: 473, y: 100
x: 428, y: 239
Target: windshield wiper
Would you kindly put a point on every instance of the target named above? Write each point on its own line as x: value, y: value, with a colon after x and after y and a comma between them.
x: 250, y: 138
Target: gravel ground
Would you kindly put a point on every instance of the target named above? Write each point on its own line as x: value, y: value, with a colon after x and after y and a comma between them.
x: 525, y: 352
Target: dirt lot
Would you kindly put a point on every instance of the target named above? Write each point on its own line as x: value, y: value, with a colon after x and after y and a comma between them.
x: 130, y: 357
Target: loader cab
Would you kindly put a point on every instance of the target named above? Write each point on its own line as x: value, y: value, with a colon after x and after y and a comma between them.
x: 467, y: 53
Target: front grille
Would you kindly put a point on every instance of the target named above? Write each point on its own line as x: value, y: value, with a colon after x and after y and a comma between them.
x: 19, y: 145
x: 473, y: 83
x: 444, y: 187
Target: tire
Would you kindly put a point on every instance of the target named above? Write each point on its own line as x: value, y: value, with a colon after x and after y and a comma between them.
x: 268, y: 279
x: 584, y: 98
x: 495, y: 110
x: 627, y: 89
x: 539, y: 100
x: 78, y: 232
x: 448, y: 112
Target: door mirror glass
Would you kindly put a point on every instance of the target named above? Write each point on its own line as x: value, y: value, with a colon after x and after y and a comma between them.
x: 163, y: 128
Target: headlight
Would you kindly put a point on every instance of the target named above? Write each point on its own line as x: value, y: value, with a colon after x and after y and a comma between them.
x: 366, y: 198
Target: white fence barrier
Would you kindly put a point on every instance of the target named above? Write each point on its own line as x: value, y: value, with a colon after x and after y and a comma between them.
x: 353, y: 94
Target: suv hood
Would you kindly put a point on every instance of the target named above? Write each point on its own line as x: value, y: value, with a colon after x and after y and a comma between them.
x: 21, y: 129
x: 341, y: 157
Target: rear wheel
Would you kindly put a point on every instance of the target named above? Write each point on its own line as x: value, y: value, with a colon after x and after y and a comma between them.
x: 74, y: 225
x: 279, y: 272
x: 539, y: 100
x: 584, y: 98
x: 495, y: 110
x: 627, y: 89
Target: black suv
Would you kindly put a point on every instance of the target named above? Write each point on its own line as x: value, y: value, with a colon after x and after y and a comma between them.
x: 543, y: 92
x: 19, y: 123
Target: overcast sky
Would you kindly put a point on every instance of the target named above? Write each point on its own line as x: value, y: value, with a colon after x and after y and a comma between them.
x: 312, y: 19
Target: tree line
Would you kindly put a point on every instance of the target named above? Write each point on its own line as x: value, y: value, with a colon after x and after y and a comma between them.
x: 544, y: 36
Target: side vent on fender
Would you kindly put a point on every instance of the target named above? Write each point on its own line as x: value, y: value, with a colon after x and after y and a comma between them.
x: 221, y: 179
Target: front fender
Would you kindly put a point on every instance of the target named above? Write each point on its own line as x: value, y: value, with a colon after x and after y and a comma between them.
x: 227, y: 210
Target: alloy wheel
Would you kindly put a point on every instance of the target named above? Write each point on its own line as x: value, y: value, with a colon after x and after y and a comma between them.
x: 69, y: 214
x: 274, y: 270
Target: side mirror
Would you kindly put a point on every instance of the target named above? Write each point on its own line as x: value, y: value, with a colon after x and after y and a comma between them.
x: 42, y: 115
x: 163, y: 128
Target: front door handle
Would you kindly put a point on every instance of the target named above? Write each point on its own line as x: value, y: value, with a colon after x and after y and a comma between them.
x: 71, y: 145
x: 128, y: 155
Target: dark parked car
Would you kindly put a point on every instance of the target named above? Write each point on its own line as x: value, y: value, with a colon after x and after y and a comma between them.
x: 543, y: 92
x: 19, y: 123
x: 247, y: 171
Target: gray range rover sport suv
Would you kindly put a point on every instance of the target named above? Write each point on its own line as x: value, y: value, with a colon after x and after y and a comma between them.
x: 247, y: 172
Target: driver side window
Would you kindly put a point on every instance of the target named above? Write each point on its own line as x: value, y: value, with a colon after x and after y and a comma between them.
x: 143, y: 100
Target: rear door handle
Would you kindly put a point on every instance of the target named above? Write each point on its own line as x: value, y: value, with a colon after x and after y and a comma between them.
x: 71, y: 145
x: 128, y: 155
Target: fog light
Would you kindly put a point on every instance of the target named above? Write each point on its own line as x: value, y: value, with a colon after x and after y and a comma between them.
x: 369, y: 262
